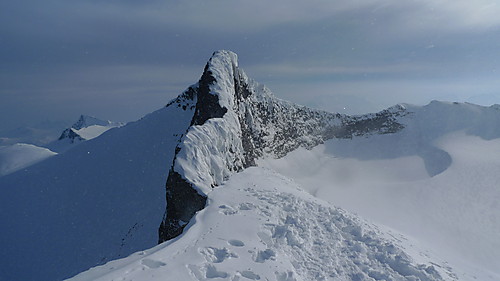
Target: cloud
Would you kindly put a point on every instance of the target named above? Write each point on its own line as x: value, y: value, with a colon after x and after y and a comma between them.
x: 244, y: 16
x: 83, y: 49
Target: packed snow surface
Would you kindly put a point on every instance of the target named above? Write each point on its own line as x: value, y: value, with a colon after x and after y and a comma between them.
x: 261, y: 226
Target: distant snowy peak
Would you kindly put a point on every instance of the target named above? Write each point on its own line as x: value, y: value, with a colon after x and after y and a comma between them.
x: 86, y: 128
x: 86, y: 121
x: 236, y: 121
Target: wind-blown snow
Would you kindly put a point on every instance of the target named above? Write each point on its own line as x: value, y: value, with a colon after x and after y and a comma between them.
x: 262, y: 226
x: 20, y: 155
x: 206, y: 152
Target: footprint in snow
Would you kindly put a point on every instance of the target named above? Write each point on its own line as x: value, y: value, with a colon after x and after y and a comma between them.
x: 152, y: 263
x: 236, y: 243
x: 212, y: 272
x: 250, y: 275
x: 227, y: 210
x: 205, y: 272
x: 216, y: 255
x: 263, y: 256
x: 247, y: 206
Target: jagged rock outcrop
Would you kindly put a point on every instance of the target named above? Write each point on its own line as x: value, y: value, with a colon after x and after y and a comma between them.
x: 236, y: 121
x: 71, y: 135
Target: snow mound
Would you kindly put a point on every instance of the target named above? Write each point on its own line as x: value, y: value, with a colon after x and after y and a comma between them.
x: 261, y: 226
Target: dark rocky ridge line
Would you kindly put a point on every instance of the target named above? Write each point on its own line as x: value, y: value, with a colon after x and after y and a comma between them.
x: 266, y: 125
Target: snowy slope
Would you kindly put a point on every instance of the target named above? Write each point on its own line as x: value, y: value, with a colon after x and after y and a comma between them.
x: 436, y: 180
x: 20, y: 155
x: 262, y: 226
x: 99, y: 201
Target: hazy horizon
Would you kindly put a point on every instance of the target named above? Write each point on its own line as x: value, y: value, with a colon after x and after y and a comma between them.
x: 120, y: 60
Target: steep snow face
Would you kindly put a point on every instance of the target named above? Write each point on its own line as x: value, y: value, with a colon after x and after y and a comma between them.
x: 260, y: 225
x: 99, y: 201
x: 20, y: 155
x: 436, y: 180
x: 237, y: 121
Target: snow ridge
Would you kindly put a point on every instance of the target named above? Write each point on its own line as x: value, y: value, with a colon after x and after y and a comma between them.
x: 236, y: 121
x: 262, y: 226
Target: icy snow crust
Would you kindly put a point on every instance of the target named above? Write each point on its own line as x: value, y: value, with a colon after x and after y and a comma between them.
x: 260, y: 225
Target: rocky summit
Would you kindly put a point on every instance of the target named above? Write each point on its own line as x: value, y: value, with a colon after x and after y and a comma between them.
x: 237, y: 120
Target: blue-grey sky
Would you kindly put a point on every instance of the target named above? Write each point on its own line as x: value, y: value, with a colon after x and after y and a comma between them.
x: 119, y: 60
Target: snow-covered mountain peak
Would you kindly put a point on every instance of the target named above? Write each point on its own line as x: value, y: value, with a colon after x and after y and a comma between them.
x: 236, y: 121
x: 86, y: 128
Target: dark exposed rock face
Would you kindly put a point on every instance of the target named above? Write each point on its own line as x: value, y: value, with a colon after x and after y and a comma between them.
x: 384, y: 122
x: 252, y: 123
x: 71, y: 135
x: 182, y: 203
x: 208, y: 105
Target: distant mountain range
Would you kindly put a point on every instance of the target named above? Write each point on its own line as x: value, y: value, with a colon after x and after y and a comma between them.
x: 86, y: 128
x: 220, y: 177
x: 17, y: 156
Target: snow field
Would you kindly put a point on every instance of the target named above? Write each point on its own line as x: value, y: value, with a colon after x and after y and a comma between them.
x: 455, y: 213
x: 260, y: 226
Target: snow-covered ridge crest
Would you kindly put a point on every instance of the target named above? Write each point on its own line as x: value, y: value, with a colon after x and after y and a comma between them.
x: 236, y: 121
